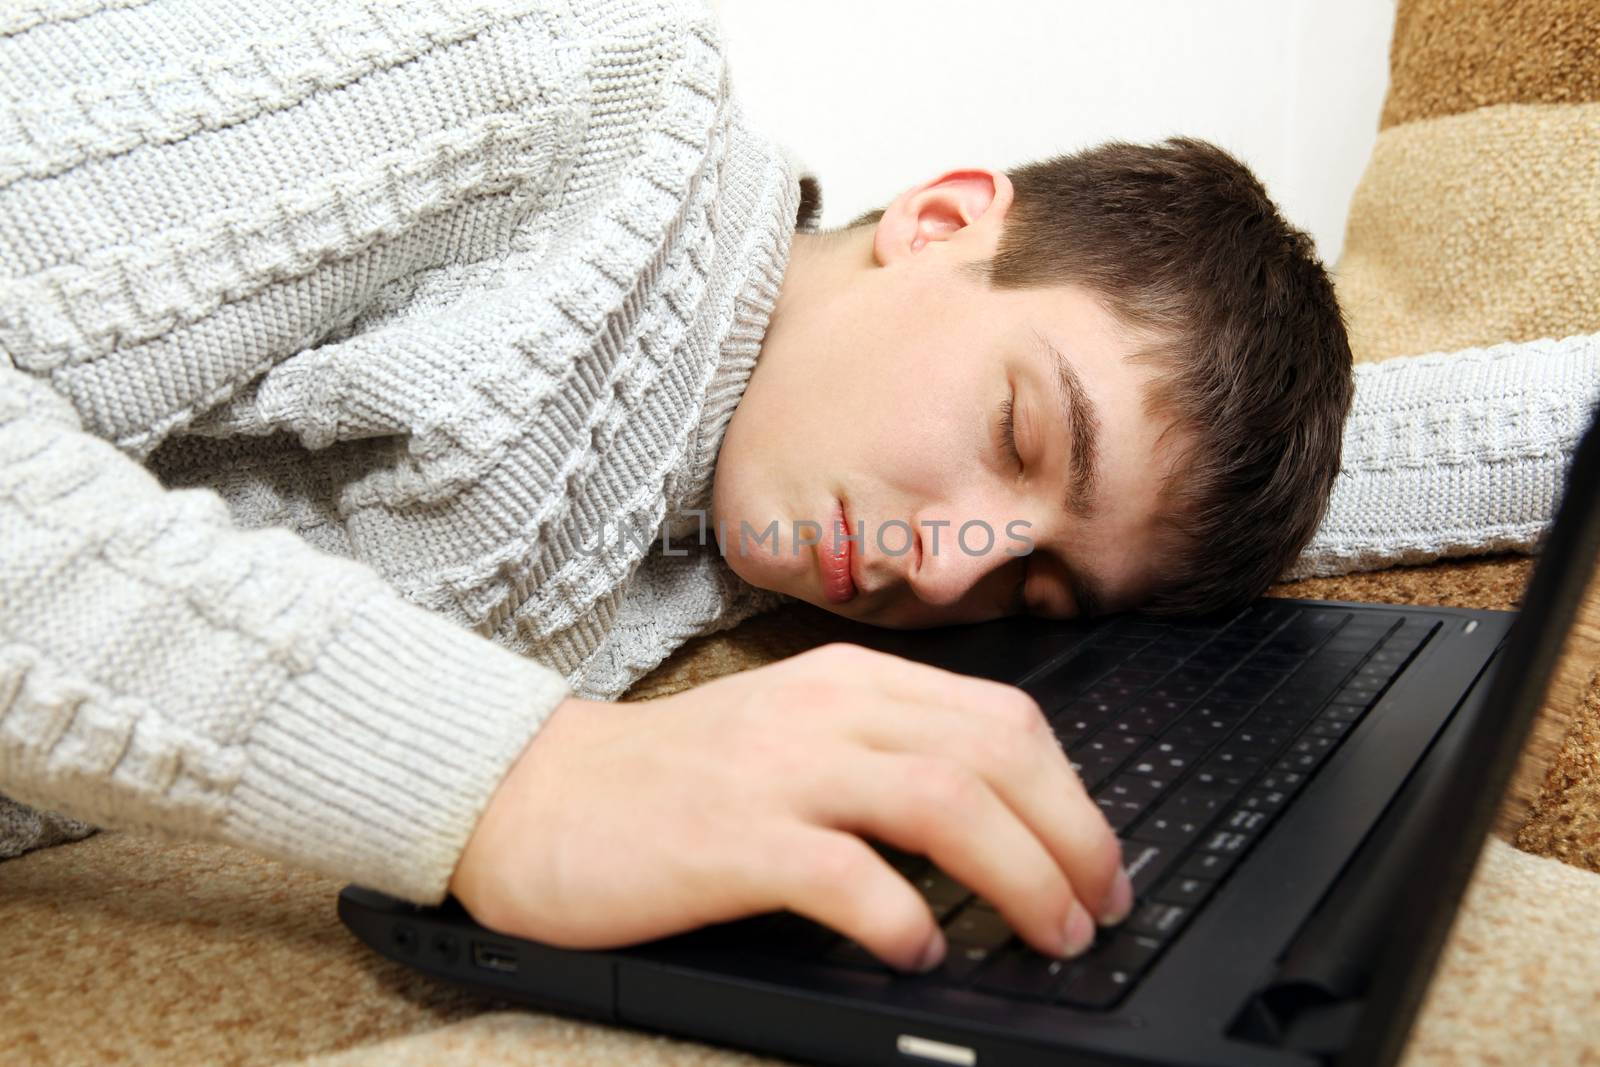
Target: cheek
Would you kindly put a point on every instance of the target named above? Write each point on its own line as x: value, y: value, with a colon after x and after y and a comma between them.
x: 930, y: 425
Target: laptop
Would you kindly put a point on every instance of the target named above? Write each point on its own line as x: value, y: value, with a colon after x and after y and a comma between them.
x: 1302, y: 789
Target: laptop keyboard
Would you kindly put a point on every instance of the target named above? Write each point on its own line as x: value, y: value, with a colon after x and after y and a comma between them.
x: 1192, y: 738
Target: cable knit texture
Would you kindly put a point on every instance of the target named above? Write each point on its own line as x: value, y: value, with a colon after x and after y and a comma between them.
x: 341, y: 346
x: 1452, y: 454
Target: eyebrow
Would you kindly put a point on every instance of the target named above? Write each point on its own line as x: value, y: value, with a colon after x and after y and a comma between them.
x: 1079, y: 413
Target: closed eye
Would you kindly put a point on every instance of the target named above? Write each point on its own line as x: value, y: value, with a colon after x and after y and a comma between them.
x: 1008, y: 431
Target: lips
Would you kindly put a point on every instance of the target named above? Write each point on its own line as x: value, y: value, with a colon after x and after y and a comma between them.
x: 833, y: 556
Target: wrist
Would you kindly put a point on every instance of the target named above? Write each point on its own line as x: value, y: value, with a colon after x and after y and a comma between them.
x: 504, y: 809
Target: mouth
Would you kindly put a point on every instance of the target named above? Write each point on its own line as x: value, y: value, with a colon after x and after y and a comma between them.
x: 836, y: 558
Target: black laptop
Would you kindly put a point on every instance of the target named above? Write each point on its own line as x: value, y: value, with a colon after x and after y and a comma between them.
x: 1302, y: 789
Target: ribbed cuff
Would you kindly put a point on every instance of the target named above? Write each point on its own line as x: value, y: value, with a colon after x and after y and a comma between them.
x: 375, y: 765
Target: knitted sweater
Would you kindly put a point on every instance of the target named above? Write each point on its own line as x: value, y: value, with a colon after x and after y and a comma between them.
x: 332, y: 338
x: 1456, y: 453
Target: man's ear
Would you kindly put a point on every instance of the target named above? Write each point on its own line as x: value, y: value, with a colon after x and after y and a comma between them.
x: 964, y: 205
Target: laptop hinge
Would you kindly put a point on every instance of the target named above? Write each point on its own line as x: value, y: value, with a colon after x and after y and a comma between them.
x: 1300, y: 1017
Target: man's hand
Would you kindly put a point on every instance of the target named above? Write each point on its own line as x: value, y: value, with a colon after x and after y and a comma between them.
x: 625, y: 822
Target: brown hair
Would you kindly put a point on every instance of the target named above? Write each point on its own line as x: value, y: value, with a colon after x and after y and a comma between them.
x: 1181, y: 242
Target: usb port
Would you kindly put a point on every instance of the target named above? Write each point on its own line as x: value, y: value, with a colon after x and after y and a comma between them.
x: 494, y: 958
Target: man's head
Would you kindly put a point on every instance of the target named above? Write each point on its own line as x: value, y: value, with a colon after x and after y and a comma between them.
x: 1171, y: 353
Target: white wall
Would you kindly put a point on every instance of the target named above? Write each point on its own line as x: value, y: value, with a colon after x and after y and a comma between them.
x: 877, y: 95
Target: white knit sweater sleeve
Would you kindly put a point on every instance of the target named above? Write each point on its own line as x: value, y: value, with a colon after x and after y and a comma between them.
x: 160, y: 666
x: 1453, y: 454
x: 161, y: 669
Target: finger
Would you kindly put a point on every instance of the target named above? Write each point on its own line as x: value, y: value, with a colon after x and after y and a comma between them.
x: 941, y: 809
x: 1016, y: 754
x: 903, y: 679
x: 838, y: 880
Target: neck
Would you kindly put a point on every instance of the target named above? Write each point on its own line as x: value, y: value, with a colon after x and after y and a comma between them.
x: 821, y: 265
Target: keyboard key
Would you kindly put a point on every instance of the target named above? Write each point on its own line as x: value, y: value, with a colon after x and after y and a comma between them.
x: 1197, y: 802
x: 1412, y: 635
x: 1227, y: 776
x: 1124, y: 952
x: 1069, y: 738
x: 1275, y: 658
x: 1089, y: 986
x: 1208, y: 865
x: 1315, y: 623
x: 1305, y: 755
x: 1121, y: 745
x: 1141, y: 788
x: 960, y: 961
x: 1313, y: 744
x: 1282, y: 781
x: 1147, y: 722
x: 942, y: 892
x: 1146, y: 862
x: 1223, y: 714
x: 1265, y: 800
x: 1087, y: 712
x: 1244, y: 821
x: 1167, y: 828
x: 1091, y: 664
x: 1296, y: 703
x: 1096, y: 768
x: 1131, y: 678
x: 1276, y: 722
x: 1331, y: 728
x: 1231, y: 763
x: 1253, y: 739
x: 1022, y: 972
x: 1254, y: 677
x: 1197, y: 736
x: 1189, y: 892
x: 1342, y: 646
x: 1190, y: 674
x: 1182, y: 693
x: 1161, y: 768
x: 1120, y: 814
x: 1113, y: 695
x: 1214, y: 661
x: 1157, y: 920
x: 1298, y: 763
x: 1374, y: 674
x: 1227, y: 842
x: 978, y: 924
x: 1356, y: 696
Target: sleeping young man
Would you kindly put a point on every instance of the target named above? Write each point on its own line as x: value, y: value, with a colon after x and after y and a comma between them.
x: 326, y: 392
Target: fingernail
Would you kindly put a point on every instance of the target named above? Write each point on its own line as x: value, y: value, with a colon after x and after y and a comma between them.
x: 1079, y: 933
x: 1120, y: 902
x: 933, y: 955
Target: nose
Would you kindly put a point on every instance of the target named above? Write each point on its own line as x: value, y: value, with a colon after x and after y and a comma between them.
x: 957, y: 554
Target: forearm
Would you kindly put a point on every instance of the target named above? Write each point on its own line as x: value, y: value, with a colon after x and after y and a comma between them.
x: 1455, y: 454
x: 162, y: 669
